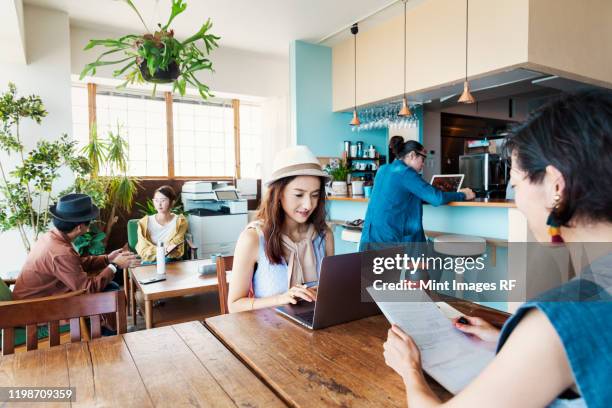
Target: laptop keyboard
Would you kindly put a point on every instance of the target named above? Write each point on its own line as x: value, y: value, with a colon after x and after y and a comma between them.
x: 307, y: 317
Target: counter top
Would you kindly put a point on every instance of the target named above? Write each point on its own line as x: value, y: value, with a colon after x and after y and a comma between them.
x: 360, y: 199
x: 479, y: 202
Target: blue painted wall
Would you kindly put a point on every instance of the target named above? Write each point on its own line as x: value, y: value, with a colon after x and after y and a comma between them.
x: 314, y: 123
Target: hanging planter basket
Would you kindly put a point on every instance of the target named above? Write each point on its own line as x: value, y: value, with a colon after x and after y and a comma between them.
x: 160, y: 76
x: 157, y: 56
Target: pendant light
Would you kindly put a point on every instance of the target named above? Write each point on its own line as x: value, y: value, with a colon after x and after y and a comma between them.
x: 405, y: 111
x: 355, y: 121
x: 466, y: 96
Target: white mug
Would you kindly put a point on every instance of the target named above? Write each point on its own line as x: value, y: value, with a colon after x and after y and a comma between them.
x: 357, y: 187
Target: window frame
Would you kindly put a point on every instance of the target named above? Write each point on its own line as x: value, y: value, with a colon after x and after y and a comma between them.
x: 92, y: 93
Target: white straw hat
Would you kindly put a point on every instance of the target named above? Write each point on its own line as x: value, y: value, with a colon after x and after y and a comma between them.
x: 295, y: 161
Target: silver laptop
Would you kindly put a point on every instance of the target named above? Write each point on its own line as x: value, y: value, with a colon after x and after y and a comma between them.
x: 447, y: 182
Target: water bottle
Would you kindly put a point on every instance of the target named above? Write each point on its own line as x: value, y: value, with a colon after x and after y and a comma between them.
x: 161, y: 258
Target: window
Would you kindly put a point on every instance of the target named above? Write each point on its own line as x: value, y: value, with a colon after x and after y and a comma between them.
x: 203, y: 139
x: 80, y: 116
x: 202, y: 132
x: 142, y: 122
x: 250, y: 141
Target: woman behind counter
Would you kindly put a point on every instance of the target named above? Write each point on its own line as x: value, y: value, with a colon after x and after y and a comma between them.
x: 163, y: 226
x: 395, y: 210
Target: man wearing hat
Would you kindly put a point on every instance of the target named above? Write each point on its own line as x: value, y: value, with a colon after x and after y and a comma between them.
x: 53, y: 266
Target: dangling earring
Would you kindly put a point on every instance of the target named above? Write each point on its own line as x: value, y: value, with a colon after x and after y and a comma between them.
x: 554, y: 226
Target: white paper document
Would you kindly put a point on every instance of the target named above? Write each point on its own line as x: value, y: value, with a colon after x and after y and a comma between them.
x: 449, y: 356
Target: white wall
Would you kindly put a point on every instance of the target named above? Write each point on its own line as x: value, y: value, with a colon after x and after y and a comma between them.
x: 236, y: 71
x: 12, y: 36
x: 47, y: 75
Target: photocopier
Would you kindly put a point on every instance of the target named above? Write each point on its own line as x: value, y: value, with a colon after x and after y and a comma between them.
x: 216, y: 215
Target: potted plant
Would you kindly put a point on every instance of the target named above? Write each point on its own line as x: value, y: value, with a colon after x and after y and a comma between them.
x: 92, y: 242
x: 27, y: 190
x: 339, y: 175
x: 113, y: 191
x: 158, y: 57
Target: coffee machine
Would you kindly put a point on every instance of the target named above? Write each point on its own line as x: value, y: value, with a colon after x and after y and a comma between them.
x: 485, y: 173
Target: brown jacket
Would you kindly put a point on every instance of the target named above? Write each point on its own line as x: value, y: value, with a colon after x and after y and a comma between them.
x: 54, y: 267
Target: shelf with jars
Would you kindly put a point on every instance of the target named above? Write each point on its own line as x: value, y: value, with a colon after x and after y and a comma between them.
x: 360, y: 160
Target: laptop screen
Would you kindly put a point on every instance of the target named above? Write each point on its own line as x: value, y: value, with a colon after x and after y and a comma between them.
x: 447, y: 182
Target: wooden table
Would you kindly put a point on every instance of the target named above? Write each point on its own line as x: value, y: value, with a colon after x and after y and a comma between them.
x: 341, y: 365
x: 182, y: 282
x: 180, y: 365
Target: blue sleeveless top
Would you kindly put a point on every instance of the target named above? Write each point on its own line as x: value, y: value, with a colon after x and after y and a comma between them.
x: 581, y: 313
x: 271, y: 279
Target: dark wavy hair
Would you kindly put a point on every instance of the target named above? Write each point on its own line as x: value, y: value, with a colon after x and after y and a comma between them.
x: 272, y: 215
x: 573, y: 134
x: 400, y: 149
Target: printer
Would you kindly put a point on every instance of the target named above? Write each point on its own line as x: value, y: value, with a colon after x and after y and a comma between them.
x: 216, y: 215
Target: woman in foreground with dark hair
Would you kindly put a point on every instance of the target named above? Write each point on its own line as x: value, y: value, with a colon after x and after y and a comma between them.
x: 282, y: 250
x: 395, y: 210
x: 555, y: 352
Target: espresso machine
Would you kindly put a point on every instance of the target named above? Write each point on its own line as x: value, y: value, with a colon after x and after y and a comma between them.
x: 485, y: 173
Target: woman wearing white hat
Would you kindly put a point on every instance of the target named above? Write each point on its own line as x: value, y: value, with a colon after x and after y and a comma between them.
x: 280, y: 252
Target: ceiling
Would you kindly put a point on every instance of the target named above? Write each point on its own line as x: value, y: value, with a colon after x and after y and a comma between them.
x: 263, y: 26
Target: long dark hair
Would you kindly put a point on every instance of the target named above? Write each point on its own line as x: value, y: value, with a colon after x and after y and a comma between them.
x: 400, y: 149
x: 272, y: 216
x: 573, y: 134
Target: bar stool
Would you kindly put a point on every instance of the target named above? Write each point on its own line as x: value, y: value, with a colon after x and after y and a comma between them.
x: 458, y: 245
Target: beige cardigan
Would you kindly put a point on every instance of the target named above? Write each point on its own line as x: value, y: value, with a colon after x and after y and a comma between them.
x: 147, y: 249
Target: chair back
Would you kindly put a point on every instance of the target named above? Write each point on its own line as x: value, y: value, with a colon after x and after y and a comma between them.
x: 51, y: 310
x: 132, y: 234
x: 224, y: 265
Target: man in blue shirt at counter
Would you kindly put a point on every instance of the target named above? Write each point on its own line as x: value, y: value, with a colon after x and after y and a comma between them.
x: 395, y: 210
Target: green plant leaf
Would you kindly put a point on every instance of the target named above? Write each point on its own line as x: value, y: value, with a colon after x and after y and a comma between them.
x: 119, y: 44
x: 123, y: 191
x: 97, y: 248
x: 98, y: 238
x: 181, y: 85
x: 120, y: 72
x: 91, y: 67
x: 129, y: 2
x: 95, y: 150
x: 117, y: 153
x: 177, y: 8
